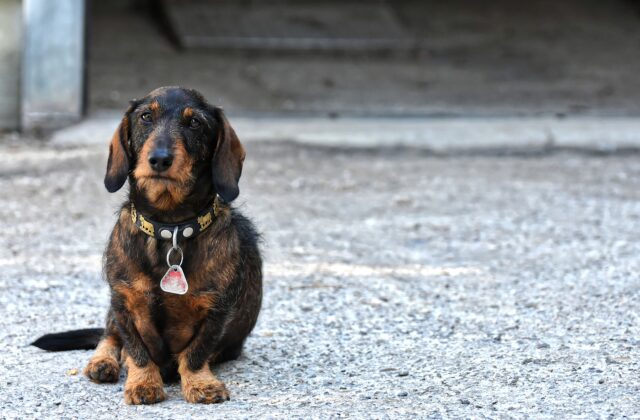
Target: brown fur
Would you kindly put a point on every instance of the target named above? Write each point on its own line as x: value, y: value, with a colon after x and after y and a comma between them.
x: 229, y: 155
x: 118, y: 163
x: 184, y: 316
x: 138, y: 301
x: 166, y: 193
x: 144, y: 383
x: 104, y: 365
x: 201, y: 386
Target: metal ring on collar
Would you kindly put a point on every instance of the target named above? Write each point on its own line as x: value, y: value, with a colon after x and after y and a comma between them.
x: 169, y: 256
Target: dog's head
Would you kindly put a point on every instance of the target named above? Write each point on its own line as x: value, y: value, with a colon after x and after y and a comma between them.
x: 168, y: 142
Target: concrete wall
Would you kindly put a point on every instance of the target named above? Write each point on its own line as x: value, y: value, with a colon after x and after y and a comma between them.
x: 53, y: 63
x: 10, y: 43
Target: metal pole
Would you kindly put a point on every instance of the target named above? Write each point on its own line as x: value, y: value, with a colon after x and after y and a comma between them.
x: 52, y: 63
x: 10, y: 44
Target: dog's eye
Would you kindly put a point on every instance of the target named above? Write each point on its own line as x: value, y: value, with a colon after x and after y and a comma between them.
x: 194, y: 123
x: 146, y: 117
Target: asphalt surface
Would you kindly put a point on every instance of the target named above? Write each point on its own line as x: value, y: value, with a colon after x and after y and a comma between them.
x: 397, y: 284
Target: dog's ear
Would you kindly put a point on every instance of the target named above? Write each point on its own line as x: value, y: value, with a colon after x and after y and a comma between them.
x: 227, y: 159
x: 119, y: 164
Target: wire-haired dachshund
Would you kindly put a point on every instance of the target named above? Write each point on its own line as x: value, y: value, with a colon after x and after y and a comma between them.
x: 183, y: 266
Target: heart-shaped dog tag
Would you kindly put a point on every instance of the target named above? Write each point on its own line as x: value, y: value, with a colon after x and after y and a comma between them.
x: 174, y: 281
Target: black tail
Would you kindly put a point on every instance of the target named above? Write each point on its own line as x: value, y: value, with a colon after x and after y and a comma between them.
x: 85, y: 339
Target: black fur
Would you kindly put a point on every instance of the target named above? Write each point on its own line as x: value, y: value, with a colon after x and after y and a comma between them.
x: 85, y: 339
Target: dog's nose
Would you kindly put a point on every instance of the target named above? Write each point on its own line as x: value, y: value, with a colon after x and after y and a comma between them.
x: 160, y: 160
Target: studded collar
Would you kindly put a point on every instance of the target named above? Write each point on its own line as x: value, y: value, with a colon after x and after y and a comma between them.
x: 186, y: 229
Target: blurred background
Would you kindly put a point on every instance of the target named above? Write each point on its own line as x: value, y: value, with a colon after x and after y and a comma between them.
x: 447, y: 190
x: 322, y: 57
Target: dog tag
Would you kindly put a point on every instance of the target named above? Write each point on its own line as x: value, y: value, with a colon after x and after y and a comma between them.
x: 174, y: 281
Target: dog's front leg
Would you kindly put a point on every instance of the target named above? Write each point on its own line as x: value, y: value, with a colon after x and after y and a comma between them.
x: 199, y: 384
x: 104, y: 365
x: 144, y: 383
x: 143, y: 346
x: 133, y: 305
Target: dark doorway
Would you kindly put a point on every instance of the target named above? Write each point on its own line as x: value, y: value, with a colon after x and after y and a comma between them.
x: 432, y: 58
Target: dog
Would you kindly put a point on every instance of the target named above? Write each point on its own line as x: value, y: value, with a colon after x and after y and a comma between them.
x: 183, y: 266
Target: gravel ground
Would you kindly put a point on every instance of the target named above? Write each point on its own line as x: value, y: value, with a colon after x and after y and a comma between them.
x: 397, y: 284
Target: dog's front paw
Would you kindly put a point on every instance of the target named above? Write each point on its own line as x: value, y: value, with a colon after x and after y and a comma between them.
x: 142, y: 393
x: 205, y: 392
x: 104, y: 369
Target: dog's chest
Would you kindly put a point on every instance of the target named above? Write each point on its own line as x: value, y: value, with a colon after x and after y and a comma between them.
x: 182, y: 317
x: 181, y: 314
